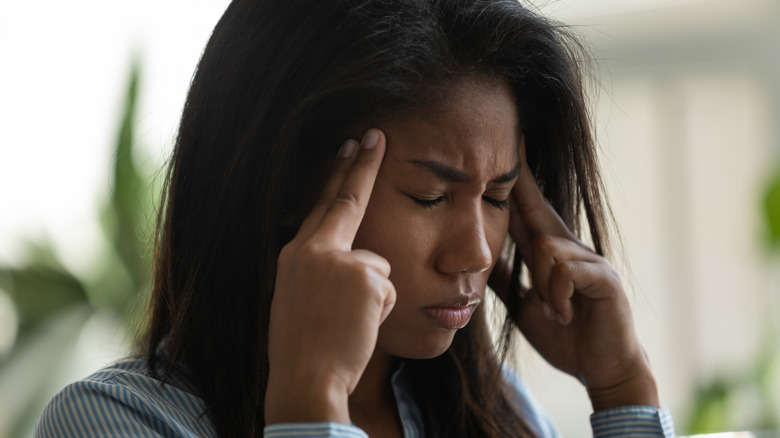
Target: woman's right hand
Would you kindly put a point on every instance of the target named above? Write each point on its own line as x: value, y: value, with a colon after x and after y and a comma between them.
x: 329, y: 299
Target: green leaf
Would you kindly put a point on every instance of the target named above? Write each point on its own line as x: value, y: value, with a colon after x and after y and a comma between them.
x: 127, y: 218
x: 40, y: 291
x: 711, y: 411
x: 127, y: 184
x: 43, y: 290
x: 772, y: 211
x: 767, y: 380
x: 131, y: 202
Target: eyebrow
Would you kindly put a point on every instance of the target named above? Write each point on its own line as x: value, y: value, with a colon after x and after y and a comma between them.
x: 451, y: 174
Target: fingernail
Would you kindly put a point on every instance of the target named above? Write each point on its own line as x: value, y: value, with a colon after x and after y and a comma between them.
x: 560, y: 319
x: 547, y: 311
x: 370, y: 139
x: 348, y: 148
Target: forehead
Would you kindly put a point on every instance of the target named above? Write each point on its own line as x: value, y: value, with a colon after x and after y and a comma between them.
x: 474, y: 128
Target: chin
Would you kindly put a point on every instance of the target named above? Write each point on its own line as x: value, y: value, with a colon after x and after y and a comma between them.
x: 411, y: 346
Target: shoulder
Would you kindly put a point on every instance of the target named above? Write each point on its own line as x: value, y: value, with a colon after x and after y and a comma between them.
x: 533, y: 413
x: 123, y: 400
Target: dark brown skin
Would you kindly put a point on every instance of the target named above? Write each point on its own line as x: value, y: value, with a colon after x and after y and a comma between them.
x: 576, y: 315
x: 354, y: 284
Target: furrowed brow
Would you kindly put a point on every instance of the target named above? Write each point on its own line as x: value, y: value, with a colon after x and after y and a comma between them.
x: 509, y: 176
x: 444, y: 172
x: 451, y: 174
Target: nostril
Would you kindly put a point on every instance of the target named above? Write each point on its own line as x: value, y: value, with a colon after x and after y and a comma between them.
x: 466, y: 252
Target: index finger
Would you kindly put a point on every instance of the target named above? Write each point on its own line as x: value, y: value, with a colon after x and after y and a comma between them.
x: 341, y: 222
x: 538, y: 216
x: 332, y: 185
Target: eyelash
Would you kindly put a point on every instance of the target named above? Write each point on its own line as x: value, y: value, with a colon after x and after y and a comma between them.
x: 430, y: 203
x: 501, y: 205
x: 427, y: 203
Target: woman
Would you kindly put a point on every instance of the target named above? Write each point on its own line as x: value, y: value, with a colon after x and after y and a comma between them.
x: 345, y: 178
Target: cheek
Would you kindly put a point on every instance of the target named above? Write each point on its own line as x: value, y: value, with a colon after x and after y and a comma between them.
x: 389, y: 230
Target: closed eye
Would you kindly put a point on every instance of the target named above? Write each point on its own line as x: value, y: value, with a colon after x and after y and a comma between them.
x: 501, y: 205
x: 430, y: 203
x: 427, y: 203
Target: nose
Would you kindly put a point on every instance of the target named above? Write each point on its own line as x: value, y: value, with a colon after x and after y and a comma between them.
x: 464, y: 247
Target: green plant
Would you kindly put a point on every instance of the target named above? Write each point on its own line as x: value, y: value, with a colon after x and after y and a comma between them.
x: 54, y: 305
x: 720, y: 404
x: 717, y: 403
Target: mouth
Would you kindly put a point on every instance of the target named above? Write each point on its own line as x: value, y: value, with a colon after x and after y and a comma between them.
x: 453, y: 314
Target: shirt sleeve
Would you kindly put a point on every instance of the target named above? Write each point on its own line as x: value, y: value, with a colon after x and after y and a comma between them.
x: 90, y: 408
x: 624, y: 421
x: 632, y: 421
x: 96, y: 410
x: 313, y: 430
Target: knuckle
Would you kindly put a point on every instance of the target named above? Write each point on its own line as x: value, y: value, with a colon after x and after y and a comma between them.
x: 364, y: 273
x: 563, y: 269
x: 614, y: 278
x: 385, y: 291
x: 287, y: 254
x: 384, y: 264
x: 307, y: 251
x: 323, y: 202
x: 544, y: 244
x: 391, y: 293
x: 346, y: 199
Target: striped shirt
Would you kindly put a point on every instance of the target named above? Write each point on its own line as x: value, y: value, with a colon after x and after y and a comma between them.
x: 123, y: 400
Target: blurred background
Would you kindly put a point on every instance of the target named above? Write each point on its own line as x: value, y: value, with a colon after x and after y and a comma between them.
x: 686, y: 106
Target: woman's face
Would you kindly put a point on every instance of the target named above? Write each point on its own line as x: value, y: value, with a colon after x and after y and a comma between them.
x: 439, y: 212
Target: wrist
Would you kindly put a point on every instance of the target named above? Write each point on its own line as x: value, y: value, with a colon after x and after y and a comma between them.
x: 637, y: 389
x: 304, y: 398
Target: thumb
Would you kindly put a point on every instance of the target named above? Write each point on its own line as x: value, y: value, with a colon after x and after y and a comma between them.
x: 531, y: 319
x: 389, y: 302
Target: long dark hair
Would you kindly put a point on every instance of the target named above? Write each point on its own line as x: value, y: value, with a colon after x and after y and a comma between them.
x: 278, y: 85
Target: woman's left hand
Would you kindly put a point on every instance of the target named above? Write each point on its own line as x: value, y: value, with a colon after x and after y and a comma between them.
x: 576, y: 313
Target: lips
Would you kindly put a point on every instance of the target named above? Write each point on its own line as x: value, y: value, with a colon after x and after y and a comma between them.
x: 453, y: 314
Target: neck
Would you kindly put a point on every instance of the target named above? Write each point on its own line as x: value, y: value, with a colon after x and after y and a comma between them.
x: 374, y: 389
x: 372, y: 404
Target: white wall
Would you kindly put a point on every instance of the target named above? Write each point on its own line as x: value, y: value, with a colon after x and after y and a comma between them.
x: 687, y: 121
